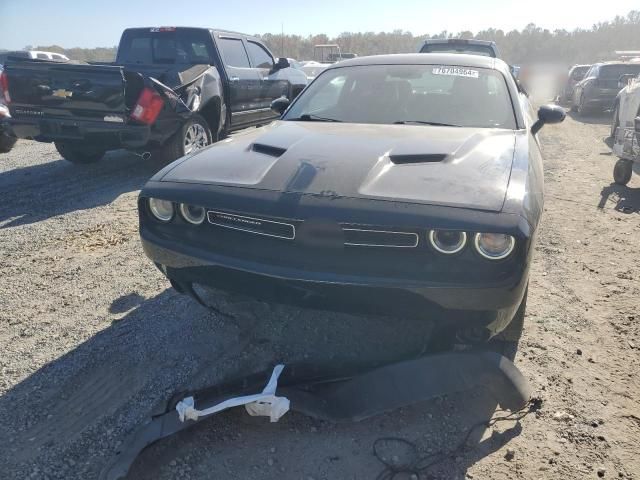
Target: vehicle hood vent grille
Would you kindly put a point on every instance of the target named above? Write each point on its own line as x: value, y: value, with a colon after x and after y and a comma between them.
x: 268, y: 149
x: 419, y: 158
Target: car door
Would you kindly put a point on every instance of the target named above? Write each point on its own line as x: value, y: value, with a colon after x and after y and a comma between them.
x: 274, y: 83
x: 244, y: 82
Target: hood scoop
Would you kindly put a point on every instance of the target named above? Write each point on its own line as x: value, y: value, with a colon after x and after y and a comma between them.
x: 419, y: 158
x: 268, y: 149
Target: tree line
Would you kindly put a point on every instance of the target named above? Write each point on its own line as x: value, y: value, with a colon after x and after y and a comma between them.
x: 531, y: 44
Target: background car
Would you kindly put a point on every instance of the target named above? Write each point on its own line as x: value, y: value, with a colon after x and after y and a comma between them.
x: 170, y: 90
x: 575, y: 74
x: 598, y: 90
x: 460, y: 45
x: 625, y: 131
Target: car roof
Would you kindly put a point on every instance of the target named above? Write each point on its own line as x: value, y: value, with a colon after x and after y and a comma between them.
x: 615, y: 62
x: 454, y: 59
x: 471, y: 41
x: 458, y: 59
x: 217, y: 31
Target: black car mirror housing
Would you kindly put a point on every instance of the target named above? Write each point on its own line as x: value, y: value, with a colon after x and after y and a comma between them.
x: 548, y: 114
x: 279, y: 105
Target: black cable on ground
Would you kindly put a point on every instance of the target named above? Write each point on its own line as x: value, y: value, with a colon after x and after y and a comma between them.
x: 421, y: 465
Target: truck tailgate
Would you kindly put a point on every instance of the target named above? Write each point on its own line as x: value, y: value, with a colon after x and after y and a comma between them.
x: 53, y: 89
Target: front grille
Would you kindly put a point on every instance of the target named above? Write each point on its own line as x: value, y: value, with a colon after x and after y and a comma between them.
x: 258, y: 226
x: 356, y: 237
x: 351, y: 236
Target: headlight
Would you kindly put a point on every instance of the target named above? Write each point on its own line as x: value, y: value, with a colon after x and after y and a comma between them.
x: 161, y: 209
x: 494, y: 246
x: 447, y: 241
x: 192, y: 214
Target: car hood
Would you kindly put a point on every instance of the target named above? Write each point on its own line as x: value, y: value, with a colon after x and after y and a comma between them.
x: 463, y: 167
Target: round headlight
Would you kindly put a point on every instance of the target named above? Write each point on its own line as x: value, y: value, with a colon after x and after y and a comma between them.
x: 161, y: 209
x: 192, y: 214
x: 494, y: 246
x: 447, y: 241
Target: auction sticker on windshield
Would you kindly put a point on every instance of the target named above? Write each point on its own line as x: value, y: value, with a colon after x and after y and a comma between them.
x: 455, y: 71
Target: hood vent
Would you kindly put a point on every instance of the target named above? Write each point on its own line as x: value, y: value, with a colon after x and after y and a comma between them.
x: 268, y: 149
x: 419, y: 158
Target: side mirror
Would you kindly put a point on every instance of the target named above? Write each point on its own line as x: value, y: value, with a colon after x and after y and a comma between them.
x: 623, y: 81
x: 637, y: 124
x: 282, y: 63
x: 279, y: 105
x: 548, y: 114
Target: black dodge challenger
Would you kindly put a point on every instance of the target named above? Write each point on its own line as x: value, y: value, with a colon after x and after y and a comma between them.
x: 406, y: 185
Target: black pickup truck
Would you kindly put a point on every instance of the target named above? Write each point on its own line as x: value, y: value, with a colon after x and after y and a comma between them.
x: 170, y: 89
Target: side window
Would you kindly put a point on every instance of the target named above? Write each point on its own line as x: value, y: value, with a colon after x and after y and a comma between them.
x: 42, y: 56
x: 233, y: 53
x: 260, y: 57
x: 199, y: 52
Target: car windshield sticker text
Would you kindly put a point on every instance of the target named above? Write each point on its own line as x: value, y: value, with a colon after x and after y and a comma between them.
x: 455, y: 71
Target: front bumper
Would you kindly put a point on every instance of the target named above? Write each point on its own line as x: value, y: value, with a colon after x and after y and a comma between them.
x: 340, y: 396
x: 487, y: 305
x: 99, y: 133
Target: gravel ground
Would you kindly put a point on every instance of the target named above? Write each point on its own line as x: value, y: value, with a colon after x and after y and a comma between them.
x: 92, y: 338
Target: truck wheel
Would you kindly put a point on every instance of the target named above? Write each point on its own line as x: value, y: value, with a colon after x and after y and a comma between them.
x: 76, y: 153
x: 615, y: 122
x: 506, y: 342
x: 622, y: 171
x: 192, y: 136
x: 7, y: 143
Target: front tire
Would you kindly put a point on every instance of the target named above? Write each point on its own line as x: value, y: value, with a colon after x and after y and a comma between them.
x: 7, y: 143
x: 192, y: 136
x: 79, y: 154
x: 622, y: 171
x: 582, y: 109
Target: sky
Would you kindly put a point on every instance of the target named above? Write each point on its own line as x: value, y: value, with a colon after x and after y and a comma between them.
x: 91, y: 23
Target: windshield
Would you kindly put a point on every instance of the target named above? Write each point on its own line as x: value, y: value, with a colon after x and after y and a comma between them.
x: 452, y: 47
x: 155, y: 46
x: 578, y: 72
x: 412, y: 94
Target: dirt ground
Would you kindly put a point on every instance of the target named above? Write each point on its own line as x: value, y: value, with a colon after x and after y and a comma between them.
x: 92, y: 337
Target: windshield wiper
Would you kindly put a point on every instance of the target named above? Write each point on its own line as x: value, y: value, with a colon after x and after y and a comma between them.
x: 309, y: 117
x: 421, y: 122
